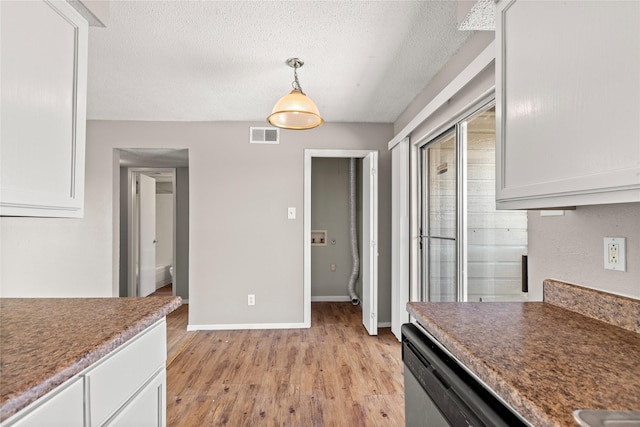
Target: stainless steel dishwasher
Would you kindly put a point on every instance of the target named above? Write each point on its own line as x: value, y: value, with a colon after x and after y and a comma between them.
x: 441, y: 393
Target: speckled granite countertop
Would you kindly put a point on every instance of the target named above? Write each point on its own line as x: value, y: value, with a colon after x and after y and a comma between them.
x: 45, y: 341
x: 545, y: 359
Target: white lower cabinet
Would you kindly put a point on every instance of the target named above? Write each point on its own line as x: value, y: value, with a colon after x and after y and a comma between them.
x: 63, y: 407
x: 125, y: 388
x: 112, y: 382
x: 146, y: 408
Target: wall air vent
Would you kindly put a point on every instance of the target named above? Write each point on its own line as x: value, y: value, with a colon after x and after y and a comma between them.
x: 264, y: 135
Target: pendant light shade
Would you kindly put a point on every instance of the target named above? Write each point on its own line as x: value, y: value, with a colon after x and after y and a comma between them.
x: 295, y: 110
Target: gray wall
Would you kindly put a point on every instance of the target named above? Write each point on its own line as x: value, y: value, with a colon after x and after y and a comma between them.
x: 124, y: 246
x: 467, y: 53
x: 240, y: 239
x: 570, y: 248
x: 181, y: 266
x: 330, y: 211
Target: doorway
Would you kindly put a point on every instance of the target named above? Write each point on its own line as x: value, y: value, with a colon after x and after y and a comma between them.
x: 154, y: 224
x: 369, y: 232
x: 336, y: 223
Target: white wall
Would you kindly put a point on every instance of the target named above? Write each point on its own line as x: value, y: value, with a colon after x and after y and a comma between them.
x: 570, y: 248
x: 63, y: 257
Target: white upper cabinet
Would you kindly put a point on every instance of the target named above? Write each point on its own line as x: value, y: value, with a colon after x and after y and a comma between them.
x: 568, y: 103
x: 43, y: 110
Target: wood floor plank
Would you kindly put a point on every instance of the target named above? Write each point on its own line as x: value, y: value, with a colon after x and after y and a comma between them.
x: 332, y: 374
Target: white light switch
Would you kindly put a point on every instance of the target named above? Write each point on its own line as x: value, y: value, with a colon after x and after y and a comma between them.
x: 291, y: 213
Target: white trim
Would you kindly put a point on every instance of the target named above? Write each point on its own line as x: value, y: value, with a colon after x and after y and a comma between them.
x: 244, y: 326
x: 384, y: 324
x: 486, y: 57
x: 335, y: 298
x: 455, y: 117
x: 369, y: 237
x: 400, y: 236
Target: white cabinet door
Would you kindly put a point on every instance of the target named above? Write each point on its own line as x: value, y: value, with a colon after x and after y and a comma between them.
x: 147, y: 408
x: 568, y: 103
x: 43, y: 109
x: 62, y: 407
x: 113, y: 381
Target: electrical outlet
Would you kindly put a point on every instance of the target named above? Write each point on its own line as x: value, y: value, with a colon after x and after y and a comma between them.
x: 251, y: 299
x: 615, y: 257
x: 333, y: 267
x: 613, y: 253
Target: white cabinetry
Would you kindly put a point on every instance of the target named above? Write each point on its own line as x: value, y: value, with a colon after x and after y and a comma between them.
x: 43, y: 109
x: 113, y: 383
x: 63, y: 407
x: 146, y: 409
x: 568, y: 103
x: 125, y: 388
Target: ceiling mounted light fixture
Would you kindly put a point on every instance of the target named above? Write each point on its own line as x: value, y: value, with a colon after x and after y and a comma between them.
x: 295, y: 110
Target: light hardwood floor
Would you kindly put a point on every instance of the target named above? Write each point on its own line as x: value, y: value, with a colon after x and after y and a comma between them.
x: 332, y: 374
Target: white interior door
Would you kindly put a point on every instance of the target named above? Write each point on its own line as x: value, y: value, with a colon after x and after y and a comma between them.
x: 370, y: 242
x: 147, y: 230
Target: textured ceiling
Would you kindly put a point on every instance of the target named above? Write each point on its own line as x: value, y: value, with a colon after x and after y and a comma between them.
x: 224, y: 60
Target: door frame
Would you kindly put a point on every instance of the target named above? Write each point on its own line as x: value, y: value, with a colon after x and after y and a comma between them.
x: 132, y: 232
x: 309, y: 154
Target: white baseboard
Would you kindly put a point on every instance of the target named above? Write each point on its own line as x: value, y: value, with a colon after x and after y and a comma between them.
x: 240, y: 326
x: 243, y: 326
x: 185, y: 301
x: 337, y: 298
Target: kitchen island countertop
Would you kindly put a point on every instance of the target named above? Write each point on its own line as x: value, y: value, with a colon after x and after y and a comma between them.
x: 544, y: 360
x: 46, y: 341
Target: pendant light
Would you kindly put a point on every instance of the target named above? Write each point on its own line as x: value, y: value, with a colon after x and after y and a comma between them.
x: 295, y: 110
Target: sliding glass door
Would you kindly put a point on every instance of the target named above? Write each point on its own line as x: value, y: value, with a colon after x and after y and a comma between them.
x: 470, y: 251
x: 439, y: 225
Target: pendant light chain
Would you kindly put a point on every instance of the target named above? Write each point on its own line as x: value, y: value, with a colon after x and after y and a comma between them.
x: 296, y: 83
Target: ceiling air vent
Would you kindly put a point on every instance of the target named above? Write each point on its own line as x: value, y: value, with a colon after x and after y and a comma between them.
x: 264, y: 135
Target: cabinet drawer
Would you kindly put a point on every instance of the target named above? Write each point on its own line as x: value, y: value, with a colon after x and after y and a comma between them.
x: 116, y: 379
x: 147, y: 408
x: 64, y: 408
